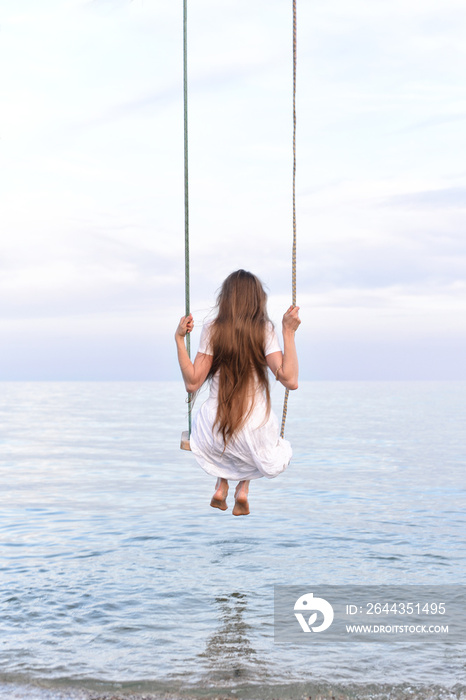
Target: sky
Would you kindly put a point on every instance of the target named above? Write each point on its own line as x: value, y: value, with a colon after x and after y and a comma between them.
x: 91, y: 178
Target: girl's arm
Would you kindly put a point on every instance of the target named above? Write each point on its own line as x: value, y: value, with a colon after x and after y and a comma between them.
x: 285, y: 365
x: 194, y: 374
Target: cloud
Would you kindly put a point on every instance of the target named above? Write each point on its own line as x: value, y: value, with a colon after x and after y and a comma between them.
x: 439, y: 120
x: 449, y: 197
x: 130, y: 108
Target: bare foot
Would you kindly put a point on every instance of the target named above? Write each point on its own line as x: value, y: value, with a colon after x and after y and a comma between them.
x: 220, y: 495
x: 241, y: 499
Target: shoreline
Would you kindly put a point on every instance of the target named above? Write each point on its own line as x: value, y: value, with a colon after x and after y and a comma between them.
x: 50, y: 690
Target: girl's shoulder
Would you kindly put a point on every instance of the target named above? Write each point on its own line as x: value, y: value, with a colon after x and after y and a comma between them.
x: 271, y: 339
x: 204, y: 343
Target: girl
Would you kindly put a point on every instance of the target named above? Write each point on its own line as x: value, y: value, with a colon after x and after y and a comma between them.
x: 235, y: 434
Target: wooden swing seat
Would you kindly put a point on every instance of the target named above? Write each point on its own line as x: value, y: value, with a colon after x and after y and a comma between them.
x: 184, y: 445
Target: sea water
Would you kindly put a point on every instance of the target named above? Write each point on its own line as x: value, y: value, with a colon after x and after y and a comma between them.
x: 116, y: 573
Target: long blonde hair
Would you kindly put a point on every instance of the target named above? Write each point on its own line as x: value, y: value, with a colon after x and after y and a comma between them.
x: 237, y: 339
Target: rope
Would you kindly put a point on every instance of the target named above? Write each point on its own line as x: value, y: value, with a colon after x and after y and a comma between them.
x: 293, y: 256
x: 186, y: 192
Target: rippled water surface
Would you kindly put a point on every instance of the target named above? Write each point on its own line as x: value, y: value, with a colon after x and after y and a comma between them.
x: 113, y: 567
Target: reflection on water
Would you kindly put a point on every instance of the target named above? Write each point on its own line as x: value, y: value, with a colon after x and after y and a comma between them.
x: 229, y: 650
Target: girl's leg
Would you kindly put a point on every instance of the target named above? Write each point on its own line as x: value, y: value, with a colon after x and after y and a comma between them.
x: 241, y: 499
x: 220, y: 495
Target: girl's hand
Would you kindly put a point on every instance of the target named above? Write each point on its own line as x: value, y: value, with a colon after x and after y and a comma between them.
x: 291, y: 319
x: 185, y: 325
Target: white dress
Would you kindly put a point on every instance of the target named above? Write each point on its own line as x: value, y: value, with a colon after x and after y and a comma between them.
x: 256, y: 450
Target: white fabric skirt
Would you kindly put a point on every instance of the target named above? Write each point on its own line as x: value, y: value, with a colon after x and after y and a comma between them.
x: 257, y: 449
